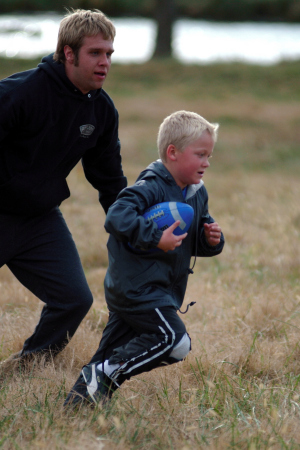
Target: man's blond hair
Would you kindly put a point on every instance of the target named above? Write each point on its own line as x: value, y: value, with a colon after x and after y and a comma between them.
x: 181, y: 129
x: 80, y: 23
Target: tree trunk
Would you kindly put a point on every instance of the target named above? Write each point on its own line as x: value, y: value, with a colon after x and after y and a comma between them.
x: 165, y: 17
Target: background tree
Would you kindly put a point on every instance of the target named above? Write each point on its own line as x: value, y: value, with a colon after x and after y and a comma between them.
x: 165, y: 15
x: 223, y: 10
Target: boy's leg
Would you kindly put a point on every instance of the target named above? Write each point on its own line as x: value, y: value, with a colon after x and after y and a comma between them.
x: 131, y: 344
x: 161, y: 339
x: 46, y: 261
x: 116, y: 333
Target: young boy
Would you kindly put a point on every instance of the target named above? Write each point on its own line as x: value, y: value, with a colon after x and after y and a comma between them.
x: 144, y: 290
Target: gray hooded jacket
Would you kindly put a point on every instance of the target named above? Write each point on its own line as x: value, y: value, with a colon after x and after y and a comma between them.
x: 138, y: 281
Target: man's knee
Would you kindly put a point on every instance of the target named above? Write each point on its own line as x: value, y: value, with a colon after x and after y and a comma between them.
x: 181, y: 350
x: 81, y: 298
x: 87, y: 301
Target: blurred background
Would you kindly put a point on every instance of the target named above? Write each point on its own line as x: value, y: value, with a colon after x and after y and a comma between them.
x: 236, y: 62
x: 252, y: 31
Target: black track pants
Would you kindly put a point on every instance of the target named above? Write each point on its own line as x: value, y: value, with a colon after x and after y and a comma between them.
x: 141, y: 341
x: 41, y: 253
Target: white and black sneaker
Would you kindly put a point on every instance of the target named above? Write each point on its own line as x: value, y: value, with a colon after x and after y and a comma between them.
x: 92, y: 386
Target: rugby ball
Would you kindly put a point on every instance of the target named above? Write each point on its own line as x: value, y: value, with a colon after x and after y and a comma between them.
x: 166, y: 213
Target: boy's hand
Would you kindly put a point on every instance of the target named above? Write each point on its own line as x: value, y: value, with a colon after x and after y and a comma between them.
x: 212, y: 233
x: 169, y: 241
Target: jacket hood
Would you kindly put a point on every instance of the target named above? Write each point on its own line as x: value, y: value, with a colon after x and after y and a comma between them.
x: 56, y: 70
x: 160, y: 170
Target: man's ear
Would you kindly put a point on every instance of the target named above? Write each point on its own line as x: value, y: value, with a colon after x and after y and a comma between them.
x: 171, y: 152
x: 69, y: 54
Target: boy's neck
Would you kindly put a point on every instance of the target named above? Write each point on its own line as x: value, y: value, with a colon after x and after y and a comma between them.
x: 184, y: 191
x: 169, y: 168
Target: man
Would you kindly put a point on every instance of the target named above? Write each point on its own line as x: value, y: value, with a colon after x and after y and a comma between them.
x: 50, y: 118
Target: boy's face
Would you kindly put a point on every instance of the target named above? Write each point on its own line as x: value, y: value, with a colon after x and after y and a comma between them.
x: 189, y: 166
x: 94, y: 60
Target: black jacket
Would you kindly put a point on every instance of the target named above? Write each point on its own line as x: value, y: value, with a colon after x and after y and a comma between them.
x: 138, y: 281
x: 46, y: 126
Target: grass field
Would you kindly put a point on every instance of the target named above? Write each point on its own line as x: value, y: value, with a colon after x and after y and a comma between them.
x: 239, y: 387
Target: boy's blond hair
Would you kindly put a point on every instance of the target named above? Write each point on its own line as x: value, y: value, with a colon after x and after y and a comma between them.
x: 80, y: 23
x: 181, y: 129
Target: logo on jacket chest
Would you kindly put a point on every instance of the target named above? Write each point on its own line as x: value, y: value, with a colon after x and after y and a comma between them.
x: 86, y: 130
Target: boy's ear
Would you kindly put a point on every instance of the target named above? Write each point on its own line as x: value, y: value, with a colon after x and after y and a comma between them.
x: 171, y: 152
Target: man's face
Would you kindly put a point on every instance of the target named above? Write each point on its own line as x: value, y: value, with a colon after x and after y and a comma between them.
x: 94, y: 60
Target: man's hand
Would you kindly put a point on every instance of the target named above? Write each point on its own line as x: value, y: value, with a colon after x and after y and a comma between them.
x: 169, y: 241
x: 212, y: 233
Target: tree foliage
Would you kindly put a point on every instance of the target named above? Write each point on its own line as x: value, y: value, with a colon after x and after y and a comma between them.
x: 226, y: 10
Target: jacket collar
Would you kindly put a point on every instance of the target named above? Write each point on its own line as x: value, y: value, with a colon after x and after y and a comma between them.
x: 160, y: 170
x: 56, y: 71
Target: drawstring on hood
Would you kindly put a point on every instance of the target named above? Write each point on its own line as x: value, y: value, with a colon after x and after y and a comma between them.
x: 187, y: 308
x: 190, y: 269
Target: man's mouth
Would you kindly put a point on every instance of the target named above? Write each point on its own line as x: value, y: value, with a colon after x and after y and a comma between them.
x: 100, y: 74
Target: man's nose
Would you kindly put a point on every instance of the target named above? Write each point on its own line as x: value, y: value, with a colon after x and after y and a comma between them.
x: 103, y: 60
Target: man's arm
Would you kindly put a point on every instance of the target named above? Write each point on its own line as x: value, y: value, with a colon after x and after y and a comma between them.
x: 103, y: 166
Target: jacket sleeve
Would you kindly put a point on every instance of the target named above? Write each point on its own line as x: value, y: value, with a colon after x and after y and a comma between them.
x: 9, y: 113
x: 103, y: 165
x: 203, y: 248
x: 12, y: 119
x: 124, y: 218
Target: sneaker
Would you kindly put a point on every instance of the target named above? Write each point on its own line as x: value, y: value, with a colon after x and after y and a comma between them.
x: 91, y: 387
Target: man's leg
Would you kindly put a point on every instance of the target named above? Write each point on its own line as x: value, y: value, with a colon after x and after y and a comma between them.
x: 46, y: 261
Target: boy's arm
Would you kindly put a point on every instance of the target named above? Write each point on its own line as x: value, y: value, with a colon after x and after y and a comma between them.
x: 212, y: 233
x: 210, y: 239
x: 170, y: 241
x: 124, y: 219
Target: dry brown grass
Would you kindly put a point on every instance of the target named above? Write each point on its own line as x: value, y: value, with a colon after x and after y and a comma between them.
x: 239, y: 387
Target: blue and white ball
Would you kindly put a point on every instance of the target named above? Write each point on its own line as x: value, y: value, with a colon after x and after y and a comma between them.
x: 166, y: 213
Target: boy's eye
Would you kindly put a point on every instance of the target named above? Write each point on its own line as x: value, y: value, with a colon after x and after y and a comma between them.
x: 204, y: 155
